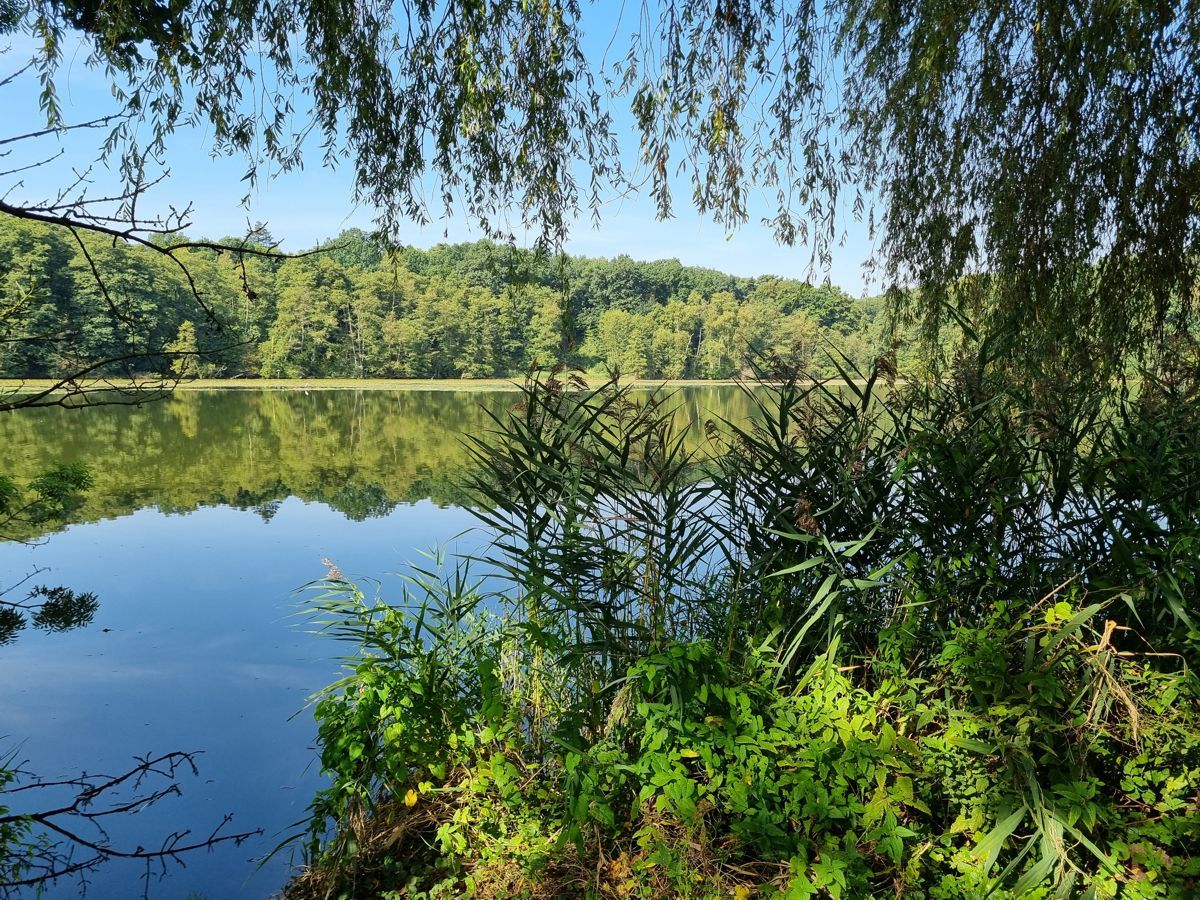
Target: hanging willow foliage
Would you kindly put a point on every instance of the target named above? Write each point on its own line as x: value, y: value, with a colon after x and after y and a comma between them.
x: 1033, y: 162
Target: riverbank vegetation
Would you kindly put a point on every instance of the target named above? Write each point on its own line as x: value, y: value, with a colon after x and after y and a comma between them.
x: 925, y: 640
x: 478, y: 310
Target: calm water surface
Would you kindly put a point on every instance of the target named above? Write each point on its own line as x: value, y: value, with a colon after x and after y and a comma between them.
x: 209, y: 510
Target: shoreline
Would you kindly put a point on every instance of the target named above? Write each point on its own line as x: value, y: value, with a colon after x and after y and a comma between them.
x: 12, y: 385
x: 334, y: 384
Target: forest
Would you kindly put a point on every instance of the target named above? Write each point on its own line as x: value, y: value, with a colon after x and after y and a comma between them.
x: 354, y: 310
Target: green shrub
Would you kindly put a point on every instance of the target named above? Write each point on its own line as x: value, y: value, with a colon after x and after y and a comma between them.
x: 931, y: 642
x: 1031, y: 754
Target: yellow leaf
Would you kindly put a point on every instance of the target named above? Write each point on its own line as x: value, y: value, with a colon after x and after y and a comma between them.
x: 688, y: 753
x: 410, y: 799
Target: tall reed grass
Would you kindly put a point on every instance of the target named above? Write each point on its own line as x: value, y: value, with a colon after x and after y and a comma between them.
x: 911, y: 638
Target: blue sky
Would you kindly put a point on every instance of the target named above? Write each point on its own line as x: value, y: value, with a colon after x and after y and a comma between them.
x: 313, y: 204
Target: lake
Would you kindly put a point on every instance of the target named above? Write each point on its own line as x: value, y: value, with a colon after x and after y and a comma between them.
x: 209, y: 510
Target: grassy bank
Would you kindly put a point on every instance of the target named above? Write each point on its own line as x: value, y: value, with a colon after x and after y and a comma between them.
x: 933, y: 642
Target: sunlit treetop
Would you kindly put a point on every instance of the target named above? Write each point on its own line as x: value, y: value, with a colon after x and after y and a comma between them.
x: 1034, y: 164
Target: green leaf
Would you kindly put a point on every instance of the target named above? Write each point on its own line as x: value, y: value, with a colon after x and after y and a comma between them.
x: 989, y: 846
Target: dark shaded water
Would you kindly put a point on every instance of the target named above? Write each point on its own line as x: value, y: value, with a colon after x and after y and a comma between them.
x: 208, y: 511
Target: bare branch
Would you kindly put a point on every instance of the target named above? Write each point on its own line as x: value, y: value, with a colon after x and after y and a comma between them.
x: 112, y: 307
x: 50, y: 858
x: 8, y: 79
x: 34, y: 165
x: 66, y: 391
x: 132, y: 235
x: 13, y: 587
x: 59, y: 129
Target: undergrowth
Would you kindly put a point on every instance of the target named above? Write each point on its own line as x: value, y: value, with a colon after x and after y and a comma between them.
x: 918, y: 641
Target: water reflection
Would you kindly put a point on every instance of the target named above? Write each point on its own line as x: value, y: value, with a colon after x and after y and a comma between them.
x: 359, y: 452
x: 44, y: 608
x: 207, y: 511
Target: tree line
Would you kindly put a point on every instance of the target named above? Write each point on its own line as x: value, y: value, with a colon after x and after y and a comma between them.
x: 358, y: 310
